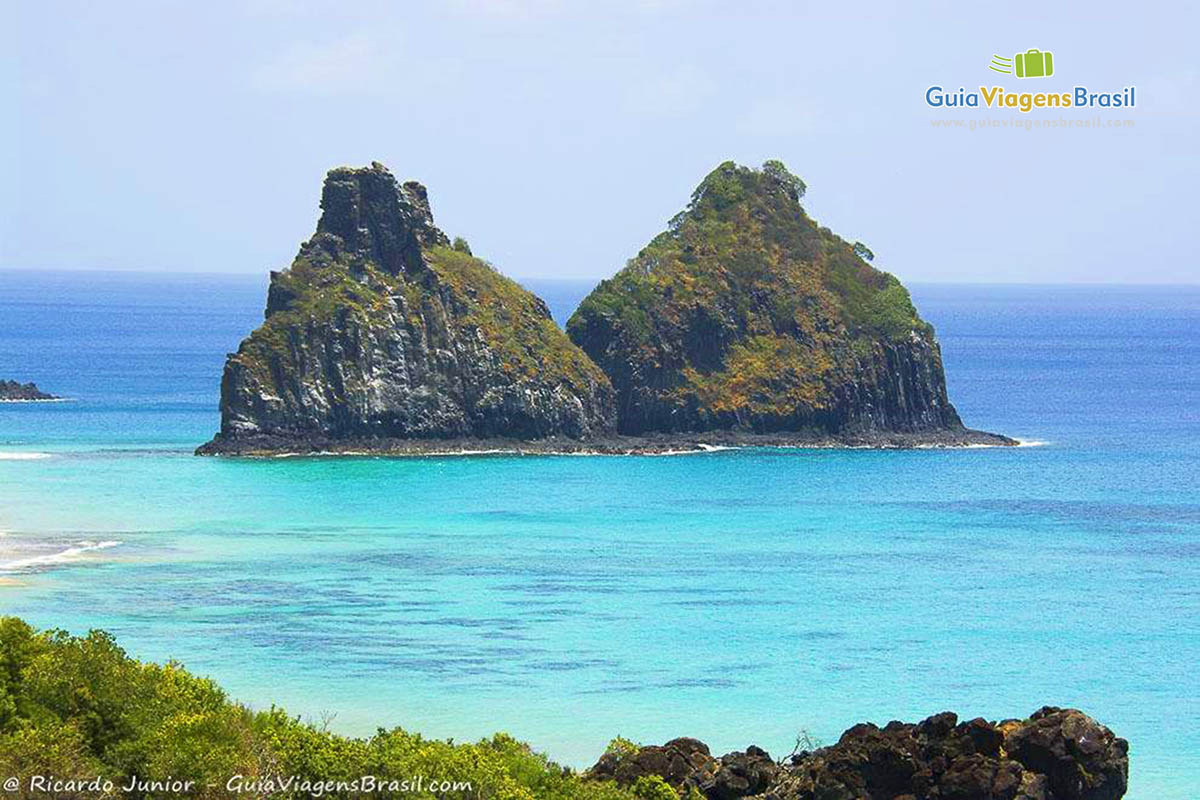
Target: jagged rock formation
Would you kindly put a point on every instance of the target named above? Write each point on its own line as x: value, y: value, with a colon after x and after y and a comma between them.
x: 1057, y: 754
x: 746, y: 315
x: 381, y: 330
x: 13, y: 391
x: 687, y: 764
x: 744, y: 323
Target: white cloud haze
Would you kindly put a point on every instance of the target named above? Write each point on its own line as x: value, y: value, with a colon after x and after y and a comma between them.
x: 558, y: 136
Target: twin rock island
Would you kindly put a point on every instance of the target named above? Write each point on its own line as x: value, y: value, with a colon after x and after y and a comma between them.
x: 744, y: 323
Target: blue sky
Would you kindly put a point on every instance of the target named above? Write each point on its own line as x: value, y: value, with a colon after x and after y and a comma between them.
x: 559, y: 137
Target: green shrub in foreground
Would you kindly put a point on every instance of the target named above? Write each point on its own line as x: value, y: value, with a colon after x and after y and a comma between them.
x: 79, y: 707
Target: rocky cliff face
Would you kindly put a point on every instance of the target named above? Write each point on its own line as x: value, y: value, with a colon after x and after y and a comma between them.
x: 746, y: 315
x: 381, y: 330
x: 1056, y: 754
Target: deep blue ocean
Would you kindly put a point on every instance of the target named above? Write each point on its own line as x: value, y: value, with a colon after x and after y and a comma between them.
x: 738, y: 596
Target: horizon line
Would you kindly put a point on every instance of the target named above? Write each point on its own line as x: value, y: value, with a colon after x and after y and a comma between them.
x: 519, y: 278
x: 580, y: 279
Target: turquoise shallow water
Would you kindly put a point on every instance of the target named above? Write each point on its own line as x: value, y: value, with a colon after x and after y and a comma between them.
x: 735, y: 596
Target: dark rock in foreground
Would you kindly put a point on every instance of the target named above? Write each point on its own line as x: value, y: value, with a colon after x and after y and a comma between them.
x: 381, y: 329
x: 12, y: 390
x: 1057, y: 754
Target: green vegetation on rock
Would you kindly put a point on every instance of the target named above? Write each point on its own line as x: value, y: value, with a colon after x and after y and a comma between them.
x: 382, y: 328
x: 515, y: 322
x: 746, y: 314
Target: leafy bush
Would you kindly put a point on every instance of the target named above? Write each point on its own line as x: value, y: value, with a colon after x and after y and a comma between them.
x: 652, y: 787
x: 79, y: 707
x: 622, y: 747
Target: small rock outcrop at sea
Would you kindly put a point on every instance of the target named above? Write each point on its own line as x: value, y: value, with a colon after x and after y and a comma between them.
x: 383, y: 330
x: 12, y: 390
x: 745, y: 314
x: 1056, y: 754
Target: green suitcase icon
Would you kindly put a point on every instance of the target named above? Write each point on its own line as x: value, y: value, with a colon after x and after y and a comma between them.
x: 1035, y: 64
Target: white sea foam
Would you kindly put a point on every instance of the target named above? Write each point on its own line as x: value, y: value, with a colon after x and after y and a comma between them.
x: 981, y: 445
x: 699, y: 447
x: 71, y: 553
x: 396, y: 454
x: 694, y: 449
x: 440, y: 453
x: 17, y: 455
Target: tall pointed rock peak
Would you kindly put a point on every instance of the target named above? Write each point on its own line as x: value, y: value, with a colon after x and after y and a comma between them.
x: 380, y: 332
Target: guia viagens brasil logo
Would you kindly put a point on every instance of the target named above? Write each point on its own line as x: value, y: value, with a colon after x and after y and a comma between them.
x: 1032, y: 63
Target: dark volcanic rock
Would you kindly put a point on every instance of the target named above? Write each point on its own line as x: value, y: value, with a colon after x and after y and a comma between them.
x: 746, y: 315
x: 1055, y: 755
x: 381, y: 330
x: 1082, y: 759
x: 686, y: 763
x: 12, y: 390
x: 676, y: 762
x: 740, y: 775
